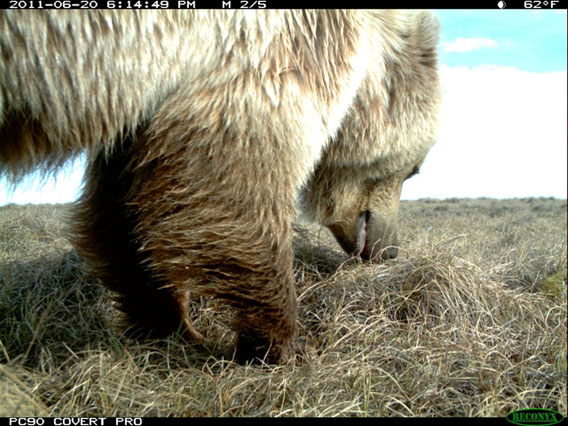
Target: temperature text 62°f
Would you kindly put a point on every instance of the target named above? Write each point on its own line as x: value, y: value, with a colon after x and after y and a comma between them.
x: 541, y: 4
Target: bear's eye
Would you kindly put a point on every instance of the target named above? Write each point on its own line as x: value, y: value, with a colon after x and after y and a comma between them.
x: 414, y: 171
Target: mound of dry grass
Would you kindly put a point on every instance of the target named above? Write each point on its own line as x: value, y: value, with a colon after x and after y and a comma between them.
x: 470, y: 320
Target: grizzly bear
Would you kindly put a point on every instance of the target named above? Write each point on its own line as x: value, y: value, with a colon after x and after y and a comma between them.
x: 205, y: 130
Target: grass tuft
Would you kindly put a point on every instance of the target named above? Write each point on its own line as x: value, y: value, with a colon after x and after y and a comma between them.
x: 469, y: 320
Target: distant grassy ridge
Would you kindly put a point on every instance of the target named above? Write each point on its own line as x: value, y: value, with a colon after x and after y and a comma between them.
x: 469, y: 320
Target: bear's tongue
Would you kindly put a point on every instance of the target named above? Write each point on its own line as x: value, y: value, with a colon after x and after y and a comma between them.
x: 362, y: 236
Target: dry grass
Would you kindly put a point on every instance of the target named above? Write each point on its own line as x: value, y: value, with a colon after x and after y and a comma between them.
x: 469, y: 320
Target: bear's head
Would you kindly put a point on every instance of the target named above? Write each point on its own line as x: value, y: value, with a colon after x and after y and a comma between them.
x: 383, y: 140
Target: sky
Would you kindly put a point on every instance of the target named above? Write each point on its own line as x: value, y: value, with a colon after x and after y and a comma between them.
x: 503, y: 119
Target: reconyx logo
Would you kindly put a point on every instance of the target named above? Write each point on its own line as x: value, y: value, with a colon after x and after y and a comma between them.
x: 535, y: 416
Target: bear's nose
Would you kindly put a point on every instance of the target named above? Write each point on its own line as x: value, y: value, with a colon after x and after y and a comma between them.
x: 390, y: 253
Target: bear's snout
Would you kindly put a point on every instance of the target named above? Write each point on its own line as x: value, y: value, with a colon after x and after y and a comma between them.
x: 369, y: 237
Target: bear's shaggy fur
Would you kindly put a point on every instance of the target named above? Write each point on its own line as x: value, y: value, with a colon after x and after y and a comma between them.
x: 203, y: 129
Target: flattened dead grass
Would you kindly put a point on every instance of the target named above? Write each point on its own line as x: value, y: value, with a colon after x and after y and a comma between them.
x: 469, y: 320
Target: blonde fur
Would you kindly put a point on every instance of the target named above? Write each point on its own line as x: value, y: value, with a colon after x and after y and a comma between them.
x: 202, y: 128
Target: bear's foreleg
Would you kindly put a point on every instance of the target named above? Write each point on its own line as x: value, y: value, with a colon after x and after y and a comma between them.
x: 215, y: 220
x: 105, y: 236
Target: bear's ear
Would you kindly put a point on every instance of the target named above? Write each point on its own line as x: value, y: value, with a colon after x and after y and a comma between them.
x: 427, y: 34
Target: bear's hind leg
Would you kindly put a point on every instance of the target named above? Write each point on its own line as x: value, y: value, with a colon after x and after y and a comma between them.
x: 105, y: 236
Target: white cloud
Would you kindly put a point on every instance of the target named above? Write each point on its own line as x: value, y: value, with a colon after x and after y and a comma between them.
x: 503, y: 134
x: 468, y: 44
x: 64, y: 187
